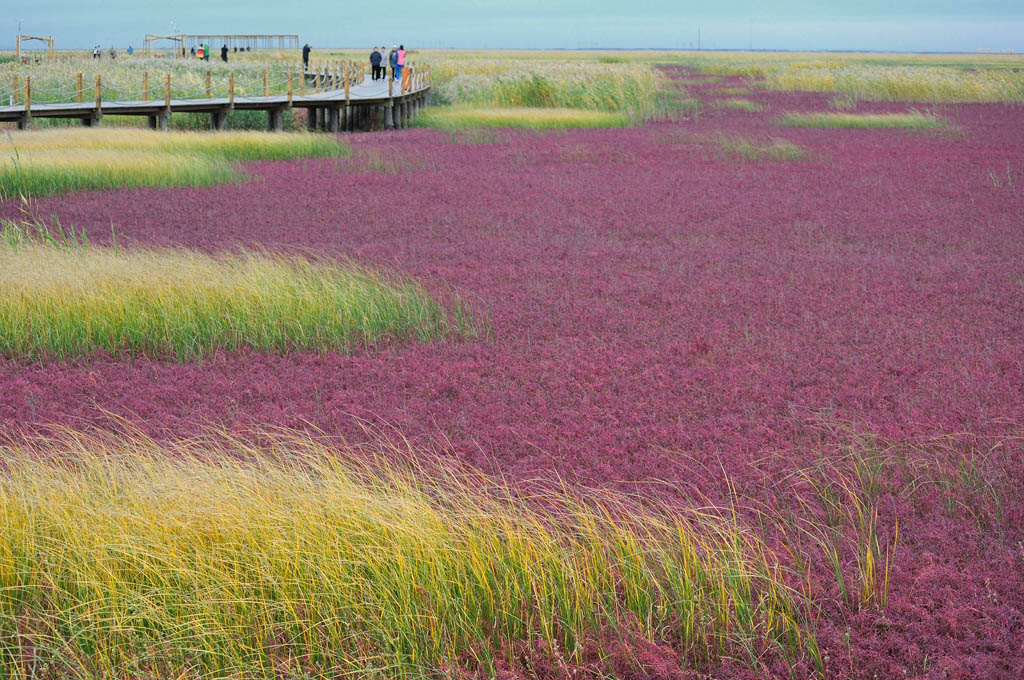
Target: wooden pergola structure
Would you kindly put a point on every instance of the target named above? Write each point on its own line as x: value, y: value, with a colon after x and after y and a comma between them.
x: 50, y: 52
x: 185, y: 42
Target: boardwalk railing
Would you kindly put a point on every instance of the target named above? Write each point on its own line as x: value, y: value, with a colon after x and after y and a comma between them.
x: 337, y: 97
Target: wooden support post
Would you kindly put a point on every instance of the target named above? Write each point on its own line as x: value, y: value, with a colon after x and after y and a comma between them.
x: 390, y: 88
x: 346, y: 91
x: 167, y: 92
x: 266, y: 83
x: 80, y: 89
x: 389, y: 115
x: 311, y: 118
x: 145, y: 86
x: 231, y: 89
x: 289, y: 88
x: 219, y: 120
x: 17, y: 87
x: 275, y: 120
x: 333, y: 122
x: 99, y: 96
x: 208, y: 95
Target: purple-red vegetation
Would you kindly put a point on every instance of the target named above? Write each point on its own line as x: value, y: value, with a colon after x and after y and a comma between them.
x: 660, y: 313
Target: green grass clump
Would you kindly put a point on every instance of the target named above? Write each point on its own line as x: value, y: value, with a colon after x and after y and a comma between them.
x: 454, y: 118
x: 72, y: 159
x: 742, y: 105
x: 914, y: 120
x: 61, y: 299
x: 215, y: 558
x: 731, y: 146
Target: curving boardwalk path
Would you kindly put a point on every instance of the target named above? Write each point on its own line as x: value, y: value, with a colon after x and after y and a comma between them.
x: 365, y: 105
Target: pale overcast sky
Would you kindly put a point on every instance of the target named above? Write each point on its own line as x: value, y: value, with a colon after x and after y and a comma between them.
x: 911, y: 25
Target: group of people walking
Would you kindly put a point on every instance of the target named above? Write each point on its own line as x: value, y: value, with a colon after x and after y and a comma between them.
x: 380, y: 60
x: 203, y: 52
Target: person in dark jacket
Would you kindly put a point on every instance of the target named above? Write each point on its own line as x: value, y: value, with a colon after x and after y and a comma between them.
x: 224, y: 53
x: 375, y: 59
x: 393, y: 61
x: 305, y: 55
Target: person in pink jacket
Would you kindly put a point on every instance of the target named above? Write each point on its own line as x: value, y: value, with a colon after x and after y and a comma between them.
x: 400, y: 66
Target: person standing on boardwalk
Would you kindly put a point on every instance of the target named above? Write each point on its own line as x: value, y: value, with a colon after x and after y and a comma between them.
x: 393, y: 61
x: 305, y: 56
x: 400, y: 62
x: 224, y: 53
x: 375, y: 59
x: 199, y: 52
x: 206, y: 53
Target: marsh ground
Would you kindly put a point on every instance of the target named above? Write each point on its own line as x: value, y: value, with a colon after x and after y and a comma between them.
x: 661, y: 311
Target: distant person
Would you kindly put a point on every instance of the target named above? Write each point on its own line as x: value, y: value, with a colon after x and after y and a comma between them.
x: 375, y: 59
x: 130, y: 51
x: 224, y: 53
x: 193, y: 51
x: 305, y: 56
x: 206, y: 53
x: 393, y: 61
x: 96, y: 52
x: 401, y: 62
x: 113, y: 52
x: 200, y: 52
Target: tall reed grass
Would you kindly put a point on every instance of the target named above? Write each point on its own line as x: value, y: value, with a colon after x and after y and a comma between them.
x: 64, y: 159
x: 874, y: 77
x: 216, y: 558
x: 60, y: 300
x: 630, y: 89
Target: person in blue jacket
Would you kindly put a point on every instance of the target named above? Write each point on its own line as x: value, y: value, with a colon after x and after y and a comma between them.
x: 375, y: 59
x: 393, y: 61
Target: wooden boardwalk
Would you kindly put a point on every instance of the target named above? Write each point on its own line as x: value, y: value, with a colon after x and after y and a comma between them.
x: 341, y: 106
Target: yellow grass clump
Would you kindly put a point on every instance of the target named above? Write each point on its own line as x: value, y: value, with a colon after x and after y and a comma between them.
x: 913, y: 120
x: 452, y: 118
x: 216, y: 558
x: 67, y: 159
x: 61, y: 299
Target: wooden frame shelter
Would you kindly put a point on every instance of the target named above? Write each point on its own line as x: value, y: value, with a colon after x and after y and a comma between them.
x: 242, y: 41
x: 50, y: 52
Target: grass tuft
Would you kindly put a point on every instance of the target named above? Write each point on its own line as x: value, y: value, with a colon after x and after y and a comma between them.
x: 62, y: 298
x: 914, y: 120
x: 772, y: 150
x: 455, y: 118
x: 742, y: 105
x: 64, y: 159
x: 216, y: 558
